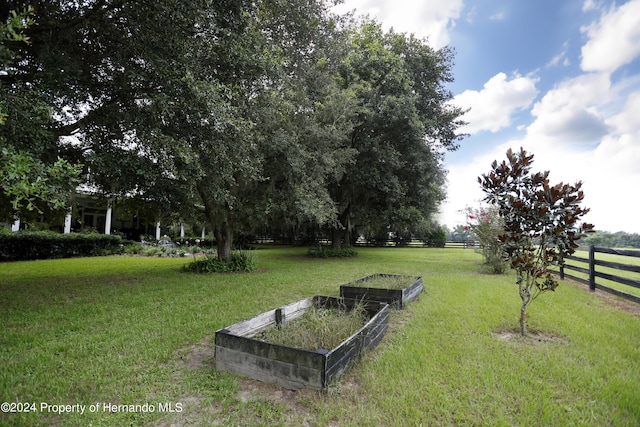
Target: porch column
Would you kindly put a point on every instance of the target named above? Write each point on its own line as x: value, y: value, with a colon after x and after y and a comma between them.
x: 67, y: 223
x: 203, y: 232
x: 107, y: 221
x: 16, y: 225
x: 181, y: 230
x: 158, y: 230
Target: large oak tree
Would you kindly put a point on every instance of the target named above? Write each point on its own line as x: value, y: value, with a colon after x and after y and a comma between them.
x: 246, y: 113
x: 403, y: 122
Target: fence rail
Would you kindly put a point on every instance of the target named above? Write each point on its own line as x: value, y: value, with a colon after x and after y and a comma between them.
x: 417, y: 243
x: 592, y: 272
x: 462, y: 245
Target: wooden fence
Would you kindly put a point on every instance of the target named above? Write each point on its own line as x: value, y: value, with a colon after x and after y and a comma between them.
x: 593, y: 273
x: 416, y: 243
x: 462, y: 245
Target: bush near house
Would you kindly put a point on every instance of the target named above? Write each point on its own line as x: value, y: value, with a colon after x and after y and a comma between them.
x: 29, y: 245
x: 240, y: 262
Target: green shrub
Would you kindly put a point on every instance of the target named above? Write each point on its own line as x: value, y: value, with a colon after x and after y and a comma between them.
x: 133, y: 249
x: 487, y: 225
x: 240, y: 262
x: 192, y: 241
x: 436, y: 238
x: 329, y: 252
x: 29, y: 245
x: 152, y: 251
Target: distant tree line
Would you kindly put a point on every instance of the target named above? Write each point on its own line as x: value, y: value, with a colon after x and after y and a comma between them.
x: 607, y: 239
x: 254, y: 116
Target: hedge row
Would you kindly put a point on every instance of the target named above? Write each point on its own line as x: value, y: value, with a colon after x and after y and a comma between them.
x: 28, y: 245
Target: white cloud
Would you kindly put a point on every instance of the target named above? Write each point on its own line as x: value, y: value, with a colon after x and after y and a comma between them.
x: 614, y: 41
x: 492, y: 107
x: 609, y: 171
x: 471, y: 15
x: 609, y: 174
x: 463, y: 189
x: 432, y: 19
x: 588, y: 5
x: 569, y: 113
x: 626, y: 122
x: 498, y: 16
x: 561, y: 58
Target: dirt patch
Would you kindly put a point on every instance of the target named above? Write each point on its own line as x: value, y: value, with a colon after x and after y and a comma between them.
x: 290, y: 399
x: 202, y: 355
x: 624, y: 305
x: 532, y: 337
x: 193, y: 408
x: 199, y: 355
x: 196, y: 356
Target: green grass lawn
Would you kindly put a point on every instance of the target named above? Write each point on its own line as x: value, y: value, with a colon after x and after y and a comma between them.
x: 135, y: 331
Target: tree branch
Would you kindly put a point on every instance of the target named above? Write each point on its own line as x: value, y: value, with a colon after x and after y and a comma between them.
x: 98, y: 7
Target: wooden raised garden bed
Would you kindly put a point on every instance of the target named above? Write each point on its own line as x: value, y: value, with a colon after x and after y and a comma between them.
x: 395, y: 290
x: 239, y: 350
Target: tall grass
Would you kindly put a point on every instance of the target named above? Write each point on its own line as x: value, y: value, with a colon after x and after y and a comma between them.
x: 317, y: 328
x: 132, y: 330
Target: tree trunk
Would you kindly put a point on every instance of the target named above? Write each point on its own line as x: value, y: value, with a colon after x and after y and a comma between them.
x: 525, y: 295
x: 523, y: 318
x: 336, y: 238
x: 340, y: 235
x: 224, y: 239
x: 347, y: 233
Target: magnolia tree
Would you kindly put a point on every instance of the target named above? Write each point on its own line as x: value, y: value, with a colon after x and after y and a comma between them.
x: 487, y: 225
x: 541, y: 223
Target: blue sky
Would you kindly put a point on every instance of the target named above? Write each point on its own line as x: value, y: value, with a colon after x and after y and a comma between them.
x: 559, y: 78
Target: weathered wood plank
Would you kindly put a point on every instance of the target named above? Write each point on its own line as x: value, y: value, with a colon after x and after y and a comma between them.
x: 618, y: 279
x: 282, y: 353
x: 339, y: 360
x: 295, y: 368
x: 412, y: 292
x: 297, y: 309
x: 576, y: 268
x: 397, y: 298
x: 576, y: 278
x: 619, y: 266
x: 292, y: 376
x: 624, y: 252
x: 253, y: 326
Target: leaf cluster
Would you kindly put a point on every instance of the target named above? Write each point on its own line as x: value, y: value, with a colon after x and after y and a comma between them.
x: 541, y: 221
x: 32, y: 184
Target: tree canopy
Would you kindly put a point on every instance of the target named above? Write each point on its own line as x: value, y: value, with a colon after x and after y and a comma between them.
x: 402, y: 122
x: 249, y: 114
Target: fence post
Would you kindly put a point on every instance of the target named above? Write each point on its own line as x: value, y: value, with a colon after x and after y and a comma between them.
x: 592, y: 268
x: 562, y: 271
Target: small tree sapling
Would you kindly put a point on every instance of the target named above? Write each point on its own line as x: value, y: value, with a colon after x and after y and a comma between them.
x: 541, y: 223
